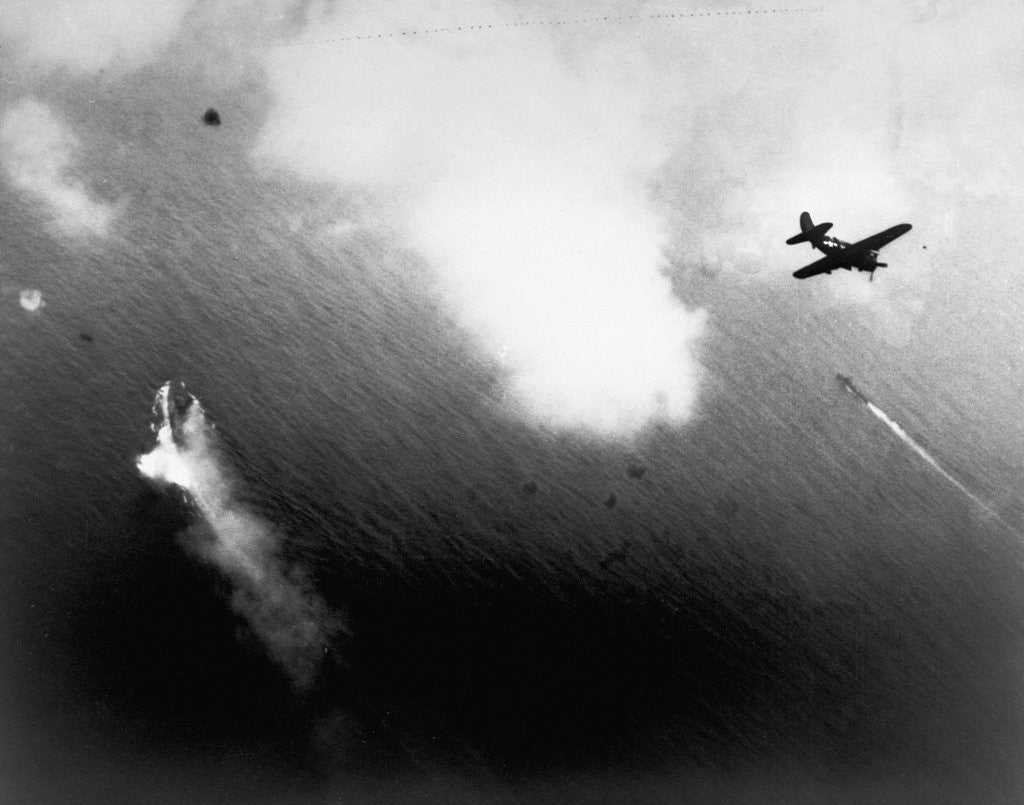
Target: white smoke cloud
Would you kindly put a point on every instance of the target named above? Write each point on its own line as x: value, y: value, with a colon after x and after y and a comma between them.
x: 864, y: 114
x: 519, y: 171
x: 292, y: 621
x: 36, y: 150
x: 808, y: 121
x: 86, y: 36
x: 517, y: 156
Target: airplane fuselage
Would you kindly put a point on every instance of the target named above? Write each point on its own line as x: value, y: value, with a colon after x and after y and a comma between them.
x: 830, y: 244
x: 864, y: 261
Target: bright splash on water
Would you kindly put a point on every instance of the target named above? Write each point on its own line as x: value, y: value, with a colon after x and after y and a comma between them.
x: 164, y: 462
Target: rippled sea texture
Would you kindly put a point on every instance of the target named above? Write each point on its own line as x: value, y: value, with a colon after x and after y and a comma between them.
x: 775, y: 601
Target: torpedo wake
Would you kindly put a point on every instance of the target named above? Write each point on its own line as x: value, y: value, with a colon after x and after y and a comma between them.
x: 914, y: 445
x: 274, y: 598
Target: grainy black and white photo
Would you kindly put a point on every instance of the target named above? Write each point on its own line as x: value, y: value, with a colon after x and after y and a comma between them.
x: 511, y: 401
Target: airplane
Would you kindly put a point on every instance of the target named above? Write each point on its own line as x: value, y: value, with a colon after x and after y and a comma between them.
x: 862, y: 255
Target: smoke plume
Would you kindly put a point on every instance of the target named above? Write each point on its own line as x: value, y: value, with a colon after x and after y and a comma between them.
x: 275, y: 599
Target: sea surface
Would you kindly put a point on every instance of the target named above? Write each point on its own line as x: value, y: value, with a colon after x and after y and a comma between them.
x: 777, y: 601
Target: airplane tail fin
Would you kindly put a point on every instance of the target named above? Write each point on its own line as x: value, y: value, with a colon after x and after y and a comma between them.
x: 809, y: 232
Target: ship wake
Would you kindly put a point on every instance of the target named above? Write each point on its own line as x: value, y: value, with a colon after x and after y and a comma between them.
x: 930, y: 460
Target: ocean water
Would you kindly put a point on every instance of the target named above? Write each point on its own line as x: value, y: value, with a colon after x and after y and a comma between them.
x: 778, y: 601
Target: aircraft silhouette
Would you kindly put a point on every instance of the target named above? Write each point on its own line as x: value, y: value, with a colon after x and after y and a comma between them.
x: 862, y: 255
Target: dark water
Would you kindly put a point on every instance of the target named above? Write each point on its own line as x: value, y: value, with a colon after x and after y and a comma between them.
x: 776, y: 602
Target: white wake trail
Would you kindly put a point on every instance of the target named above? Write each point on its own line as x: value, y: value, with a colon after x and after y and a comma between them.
x: 910, y: 442
x: 275, y: 599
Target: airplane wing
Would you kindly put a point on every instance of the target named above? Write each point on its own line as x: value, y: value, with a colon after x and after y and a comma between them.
x: 837, y: 259
x: 876, y: 242
x: 822, y: 266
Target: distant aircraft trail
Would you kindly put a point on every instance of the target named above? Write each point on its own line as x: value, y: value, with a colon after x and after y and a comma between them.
x: 609, y: 19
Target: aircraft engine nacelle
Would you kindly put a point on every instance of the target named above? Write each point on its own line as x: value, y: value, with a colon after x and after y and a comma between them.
x: 869, y: 262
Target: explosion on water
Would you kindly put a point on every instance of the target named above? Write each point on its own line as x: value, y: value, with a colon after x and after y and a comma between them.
x: 290, y: 619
